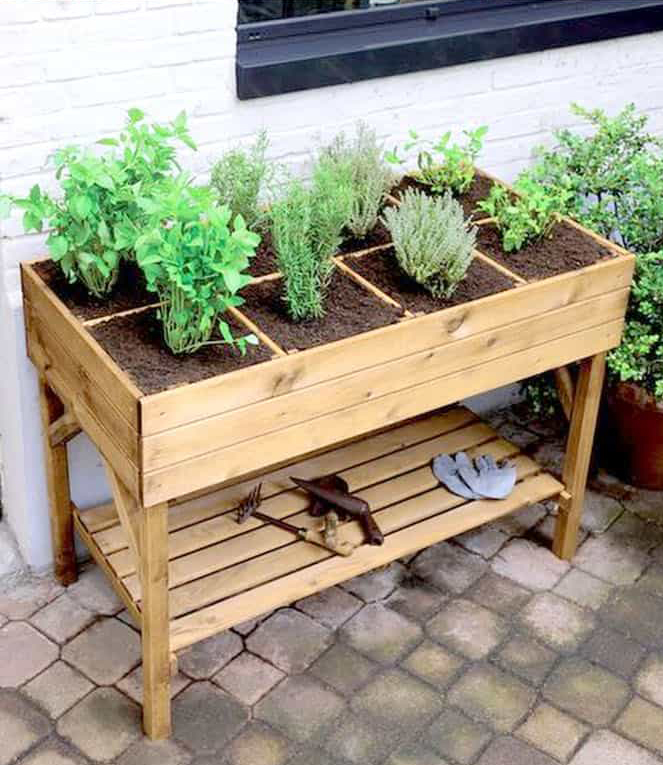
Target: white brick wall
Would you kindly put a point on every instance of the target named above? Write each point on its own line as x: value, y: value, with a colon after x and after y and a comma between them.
x: 69, y: 69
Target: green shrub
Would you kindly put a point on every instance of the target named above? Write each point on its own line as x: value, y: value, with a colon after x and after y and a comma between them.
x: 444, y: 165
x: 96, y: 221
x: 432, y: 240
x: 239, y: 177
x: 195, y: 259
x: 306, y: 227
x: 525, y: 218
x: 371, y: 178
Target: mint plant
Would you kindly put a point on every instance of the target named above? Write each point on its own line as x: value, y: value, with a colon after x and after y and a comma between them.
x: 240, y: 176
x: 195, y: 258
x: 525, y: 218
x: 434, y: 244
x: 96, y: 220
x: 444, y: 165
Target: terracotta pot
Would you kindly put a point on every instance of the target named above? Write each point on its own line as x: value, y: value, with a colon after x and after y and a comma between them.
x: 632, y: 436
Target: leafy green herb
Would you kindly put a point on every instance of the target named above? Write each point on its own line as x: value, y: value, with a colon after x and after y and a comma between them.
x: 433, y: 242
x: 444, y: 165
x: 195, y: 259
x: 239, y: 178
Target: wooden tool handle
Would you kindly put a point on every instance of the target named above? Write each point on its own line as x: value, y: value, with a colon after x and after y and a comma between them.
x: 340, y: 548
x: 372, y: 532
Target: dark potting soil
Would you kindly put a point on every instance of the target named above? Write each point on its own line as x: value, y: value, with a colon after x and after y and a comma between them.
x: 264, y: 261
x: 568, y: 249
x: 382, y: 270
x: 377, y: 236
x: 351, y: 310
x: 135, y: 342
x: 129, y: 292
x: 478, y: 191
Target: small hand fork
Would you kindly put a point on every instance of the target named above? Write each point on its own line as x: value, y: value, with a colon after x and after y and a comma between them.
x: 248, y: 508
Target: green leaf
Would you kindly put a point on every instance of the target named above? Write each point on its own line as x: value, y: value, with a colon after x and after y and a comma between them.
x: 81, y: 206
x: 136, y: 115
x: 109, y: 142
x: 226, y: 334
x: 58, y: 246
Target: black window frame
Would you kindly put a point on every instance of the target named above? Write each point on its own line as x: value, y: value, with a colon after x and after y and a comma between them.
x: 300, y: 53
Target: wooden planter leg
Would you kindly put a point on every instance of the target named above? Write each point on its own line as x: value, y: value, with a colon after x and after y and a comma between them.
x: 578, y: 454
x: 156, y: 624
x: 57, y: 476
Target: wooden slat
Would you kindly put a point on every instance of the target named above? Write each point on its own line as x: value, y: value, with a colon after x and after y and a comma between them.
x: 129, y: 513
x: 99, y: 517
x: 209, y: 505
x: 223, y: 464
x: 193, y: 440
x: 209, y: 534
x: 208, y: 621
x: 63, y: 429
x: 170, y: 409
x: 114, y: 383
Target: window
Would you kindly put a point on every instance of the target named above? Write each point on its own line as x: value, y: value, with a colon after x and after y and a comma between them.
x: 288, y: 45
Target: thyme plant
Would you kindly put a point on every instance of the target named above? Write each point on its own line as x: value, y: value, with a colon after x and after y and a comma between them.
x: 434, y: 244
x: 240, y: 176
x: 371, y: 178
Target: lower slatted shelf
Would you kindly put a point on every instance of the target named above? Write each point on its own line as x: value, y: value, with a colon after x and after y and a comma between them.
x: 221, y: 573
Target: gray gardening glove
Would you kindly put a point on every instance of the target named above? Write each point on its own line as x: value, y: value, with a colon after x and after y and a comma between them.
x: 487, y: 478
x: 445, y: 469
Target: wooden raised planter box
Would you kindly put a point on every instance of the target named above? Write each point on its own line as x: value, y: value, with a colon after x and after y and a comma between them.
x: 179, y: 460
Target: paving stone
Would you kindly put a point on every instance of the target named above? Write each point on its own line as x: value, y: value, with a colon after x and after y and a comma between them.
x: 103, y: 725
x: 381, y: 634
x: 3, y: 620
x: 377, y: 585
x: 258, y: 745
x: 132, y: 684
x: 343, y: 669
x: 55, y: 753
x: 485, y: 541
x: 357, y: 740
x: 607, y: 748
x: 637, y: 614
x: 290, y: 640
x: 94, y: 592
x: 589, y: 692
x: 25, y: 654
x: 468, y: 628
x: 105, y: 652
x: 415, y: 753
x: 584, y: 589
x: 448, y: 567
x: 529, y: 565
x: 247, y: 627
x: 555, y: 621
x: 527, y: 659
x: 126, y: 617
x: 645, y: 504
x: 332, y: 607
x: 518, y: 524
x: 614, y: 651
x: 612, y: 558
x: 649, y: 681
x: 550, y: 455
x: 517, y: 435
x: 62, y: 619
x: 397, y: 701
x: 543, y: 533
x: 21, y: 726
x: 553, y: 732
x: 205, y: 718
x: 652, y: 580
x: 499, y: 594
x: 599, y: 512
x: 486, y: 693
x: 308, y: 756
x: 433, y: 664
x: 25, y: 599
x: 300, y: 707
x: 511, y: 751
x: 455, y: 736
x: 148, y: 752
x: 643, y: 722
x: 637, y: 533
x: 207, y: 657
x: 58, y: 688
x: 248, y: 678
x: 416, y: 600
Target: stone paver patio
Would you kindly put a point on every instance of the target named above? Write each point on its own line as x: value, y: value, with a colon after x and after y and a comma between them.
x: 486, y: 649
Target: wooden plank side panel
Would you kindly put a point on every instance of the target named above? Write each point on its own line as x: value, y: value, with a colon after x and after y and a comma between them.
x: 232, y: 462
x: 184, y: 405
x: 193, y: 440
x: 190, y: 629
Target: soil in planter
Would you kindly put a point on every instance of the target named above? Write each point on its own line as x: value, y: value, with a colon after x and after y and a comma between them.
x: 351, y: 310
x: 478, y: 191
x: 135, y: 343
x: 264, y: 261
x: 129, y: 292
x: 382, y: 270
x: 568, y: 249
x: 377, y: 236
